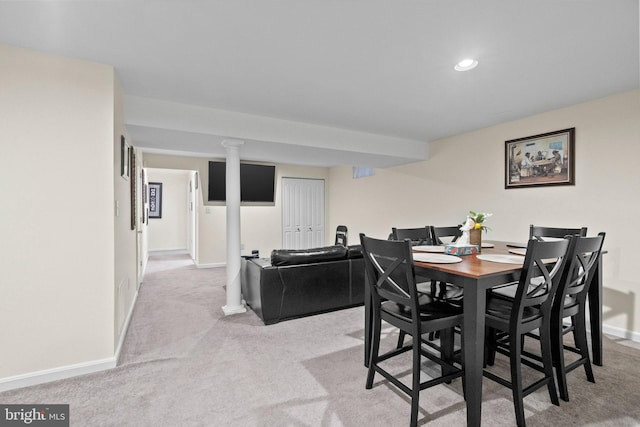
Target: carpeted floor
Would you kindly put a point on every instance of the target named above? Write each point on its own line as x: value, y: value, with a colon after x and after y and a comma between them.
x: 185, y: 364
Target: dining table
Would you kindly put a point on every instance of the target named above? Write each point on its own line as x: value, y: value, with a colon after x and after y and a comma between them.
x: 497, y: 263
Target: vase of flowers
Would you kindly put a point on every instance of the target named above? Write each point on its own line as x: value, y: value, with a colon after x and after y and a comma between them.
x: 475, y: 220
x: 475, y: 237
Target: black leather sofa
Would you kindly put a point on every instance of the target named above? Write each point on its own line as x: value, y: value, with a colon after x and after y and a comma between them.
x: 297, y: 283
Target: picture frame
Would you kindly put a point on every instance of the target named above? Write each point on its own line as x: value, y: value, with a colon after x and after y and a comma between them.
x: 124, y: 157
x: 541, y: 160
x: 155, y: 200
x: 134, y: 188
x: 143, y: 179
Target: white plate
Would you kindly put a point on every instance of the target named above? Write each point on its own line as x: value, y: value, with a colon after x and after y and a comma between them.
x: 428, y: 248
x: 504, y: 259
x: 517, y: 245
x: 488, y: 245
x: 436, y: 258
x: 518, y: 251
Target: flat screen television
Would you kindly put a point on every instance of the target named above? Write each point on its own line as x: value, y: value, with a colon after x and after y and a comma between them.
x: 257, y: 182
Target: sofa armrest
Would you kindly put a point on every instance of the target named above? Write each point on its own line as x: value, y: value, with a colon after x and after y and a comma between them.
x: 262, y: 288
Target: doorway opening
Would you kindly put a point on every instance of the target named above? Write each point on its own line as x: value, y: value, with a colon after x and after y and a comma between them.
x: 172, y: 212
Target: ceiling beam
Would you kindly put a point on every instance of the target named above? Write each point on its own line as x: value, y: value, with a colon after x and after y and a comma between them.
x: 195, y: 120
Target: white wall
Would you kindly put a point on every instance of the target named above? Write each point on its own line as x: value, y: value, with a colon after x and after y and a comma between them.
x: 261, y: 226
x: 57, y: 211
x: 126, y: 257
x: 171, y: 231
x: 466, y: 172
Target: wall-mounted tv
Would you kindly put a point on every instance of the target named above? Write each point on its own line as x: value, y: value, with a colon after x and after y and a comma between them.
x: 257, y: 182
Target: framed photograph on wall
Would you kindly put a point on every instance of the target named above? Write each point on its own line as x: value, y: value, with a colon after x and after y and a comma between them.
x: 144, y: 196
x: 155, y: 200
x: 540, y: 160
x: 134, y: 188
x: 124, y: 158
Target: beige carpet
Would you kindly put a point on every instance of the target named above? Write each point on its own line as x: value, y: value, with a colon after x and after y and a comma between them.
x: 185, y: 364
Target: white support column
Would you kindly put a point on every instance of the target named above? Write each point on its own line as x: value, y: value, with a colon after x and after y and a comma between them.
x: 234, y: 298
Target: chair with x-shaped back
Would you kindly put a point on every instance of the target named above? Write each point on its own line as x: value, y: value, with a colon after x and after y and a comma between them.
x: 508, y: 320
x: 390, y: 276
x: 570, y: 302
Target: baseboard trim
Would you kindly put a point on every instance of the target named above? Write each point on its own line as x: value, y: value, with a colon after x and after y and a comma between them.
x: 125, y: 328
x: 60, y: 373
x: 64, y: 372
x: 621, y: 333
x: 168, y: 251
x: 214, y: 265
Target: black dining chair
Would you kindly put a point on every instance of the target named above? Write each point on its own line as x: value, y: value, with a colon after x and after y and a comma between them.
x: 539, y: 233
x: 570, y: 301
x: 391, y: 278
x: 508, y: 320
x: 424, y: 236
x: 443, y: 290
x: 450, y: 234
x: 341, y: 235
x: 418, y: 236
x: 536, y: 231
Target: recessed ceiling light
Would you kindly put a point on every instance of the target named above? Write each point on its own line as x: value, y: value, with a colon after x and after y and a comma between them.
x: 466, y: 65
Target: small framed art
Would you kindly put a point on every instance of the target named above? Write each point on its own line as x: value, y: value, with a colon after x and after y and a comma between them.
x: 124, y: 157
x: 155, y: 200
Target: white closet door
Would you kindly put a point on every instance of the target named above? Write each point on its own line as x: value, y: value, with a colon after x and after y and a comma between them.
x: 302, y: 213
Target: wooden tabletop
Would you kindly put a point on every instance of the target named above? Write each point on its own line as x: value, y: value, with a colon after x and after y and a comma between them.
x: 473, y: 267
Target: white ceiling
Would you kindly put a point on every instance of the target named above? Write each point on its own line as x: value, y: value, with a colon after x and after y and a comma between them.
x: 336, y: 82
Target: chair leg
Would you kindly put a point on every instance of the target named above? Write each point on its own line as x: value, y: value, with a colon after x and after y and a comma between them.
x: 557, y: 356
x: 547, y: 362
x: 434, y: 294
x: 580, y: 336
x: 375, y: 348
x: 415, y: 390
x: 490, y: 347
x: 516, y: 378
x: 464, y: 385
x: 401, y: 339
x: 446, y: 350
